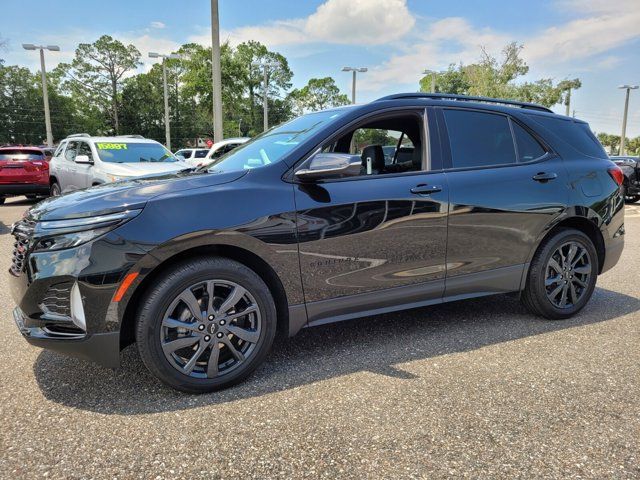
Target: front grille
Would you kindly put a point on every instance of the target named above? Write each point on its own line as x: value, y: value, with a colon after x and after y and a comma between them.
x: 23, y: 233
x: 57, y: 300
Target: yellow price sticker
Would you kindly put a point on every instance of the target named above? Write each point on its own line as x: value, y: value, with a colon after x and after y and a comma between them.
x: 112, y: 146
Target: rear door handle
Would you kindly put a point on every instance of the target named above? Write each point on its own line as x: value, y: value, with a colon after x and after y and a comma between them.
x: 545, y: 176
x: 424, y: 189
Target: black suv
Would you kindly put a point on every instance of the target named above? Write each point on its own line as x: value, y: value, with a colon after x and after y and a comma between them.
x: 308, y: 224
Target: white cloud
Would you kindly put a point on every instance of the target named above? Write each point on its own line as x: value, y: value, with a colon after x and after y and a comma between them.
x: 157, y: 24
x: 361, y: 22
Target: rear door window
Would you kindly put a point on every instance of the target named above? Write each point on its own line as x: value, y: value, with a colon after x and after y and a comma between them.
x: 528, y: 147
x: 479, y: 139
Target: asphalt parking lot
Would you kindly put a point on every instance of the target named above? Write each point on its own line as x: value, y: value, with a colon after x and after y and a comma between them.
x: 476, y: 389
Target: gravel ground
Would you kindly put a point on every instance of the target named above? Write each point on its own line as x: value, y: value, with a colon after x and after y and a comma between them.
x: 474, y: 389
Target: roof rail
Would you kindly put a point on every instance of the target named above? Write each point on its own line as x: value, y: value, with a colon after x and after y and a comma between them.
x: 130, y: 136
x: 466, y: 98
x: 78, y: 135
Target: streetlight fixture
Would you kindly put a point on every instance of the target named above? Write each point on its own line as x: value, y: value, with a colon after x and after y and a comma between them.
x: 353, y: 81
x: 628, y: 89
x: 167, y: 128
x: 433, y: 78
x: 265, y: 89
x: 45, y: 92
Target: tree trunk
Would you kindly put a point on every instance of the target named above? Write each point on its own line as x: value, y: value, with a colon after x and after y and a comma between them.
x: 114, y: 89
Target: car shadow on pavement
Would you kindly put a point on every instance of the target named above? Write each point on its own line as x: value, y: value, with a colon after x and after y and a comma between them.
x: 374, y: 344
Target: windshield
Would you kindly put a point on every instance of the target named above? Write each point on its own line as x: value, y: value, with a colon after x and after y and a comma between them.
x: 128, y: 152
x: 271, y: 146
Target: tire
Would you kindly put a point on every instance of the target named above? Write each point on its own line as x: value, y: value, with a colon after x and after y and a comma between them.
x: 55, y: 189
x: 631, y: 198
x: 2, y: 199
x: 538, y: 291
x: 164, y: 317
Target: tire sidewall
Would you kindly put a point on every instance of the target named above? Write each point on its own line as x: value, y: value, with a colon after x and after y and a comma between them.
x: 548, y: 309
x: 55, y: 190
x: 155, y: 303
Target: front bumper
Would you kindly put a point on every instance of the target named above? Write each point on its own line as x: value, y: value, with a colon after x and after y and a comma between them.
x: 101, y: 348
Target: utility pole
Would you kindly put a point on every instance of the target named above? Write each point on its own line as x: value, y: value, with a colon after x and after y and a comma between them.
x: 567, y: 102
x: 628, y: 89
x: 265, y: 90
x: 167, y: 127
x: 216, y: 74
x: 353, y: 80
x: 45, y: 91
x: 433, y: 79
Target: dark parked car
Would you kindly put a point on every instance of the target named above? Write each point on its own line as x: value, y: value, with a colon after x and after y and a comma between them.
x: 23, y: 171
x: 488, y: 196
x: 630, y: 166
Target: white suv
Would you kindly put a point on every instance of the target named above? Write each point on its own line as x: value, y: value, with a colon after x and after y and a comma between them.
x: 83, y: 161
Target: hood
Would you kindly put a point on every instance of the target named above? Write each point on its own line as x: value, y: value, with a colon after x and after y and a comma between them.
x: 125, y: 194
x: 141, y: 168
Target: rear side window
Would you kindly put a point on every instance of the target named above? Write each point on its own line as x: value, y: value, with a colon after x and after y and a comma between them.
x: 528, y: 147
x: 577, y: 134
x: 70, y: 152
x: 201, y: 153
x: 479, y: 139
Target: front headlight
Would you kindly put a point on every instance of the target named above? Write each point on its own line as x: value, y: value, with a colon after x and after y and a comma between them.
x: 69, y: 233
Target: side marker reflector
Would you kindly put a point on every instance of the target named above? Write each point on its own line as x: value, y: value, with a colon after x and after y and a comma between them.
x: 124, y: 286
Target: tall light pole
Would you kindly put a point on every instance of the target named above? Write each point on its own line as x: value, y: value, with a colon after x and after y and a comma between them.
x: 433, y: 79
x: 265, y: 89
x: 167, y: 127
x: 353, y: 81
x: 45, y: 92
x: 628, y: 88
x: 216, y: 73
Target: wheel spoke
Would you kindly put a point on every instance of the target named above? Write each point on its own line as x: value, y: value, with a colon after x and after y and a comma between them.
x: 212, y: 366
x: 174, y: 323
x: 234, y: 297
x: 237, y: 354
x: 250, y: 336
x: 246, y: 311
x: 578, y: 257
x: 192, y: 303
x: 210, y: 293
x: 555, y: 265
x: 188, y: 368
x: 552, y: 281
x: 172, y: 346
x: 557, y: 290
x: 574, y: 294
x: 583, y: 270
x: 573, y: 249
x: 579, y: 282
x: 563, y: 297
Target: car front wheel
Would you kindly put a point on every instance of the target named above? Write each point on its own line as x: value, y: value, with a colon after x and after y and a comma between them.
x: 55, y: 189
x: 206, y: 324
x: 562, y: 275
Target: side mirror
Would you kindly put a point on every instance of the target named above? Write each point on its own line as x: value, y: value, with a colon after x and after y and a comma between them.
x: 331, y: 165
x: 84, y: 159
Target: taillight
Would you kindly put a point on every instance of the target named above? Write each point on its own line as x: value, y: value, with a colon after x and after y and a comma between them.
x: 616, y: 173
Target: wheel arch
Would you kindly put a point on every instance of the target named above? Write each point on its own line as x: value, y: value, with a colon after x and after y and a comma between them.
x: 232, y: 252
x: 577, y: 222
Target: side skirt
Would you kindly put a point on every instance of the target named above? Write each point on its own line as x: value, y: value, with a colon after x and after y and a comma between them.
x: 490, y: 282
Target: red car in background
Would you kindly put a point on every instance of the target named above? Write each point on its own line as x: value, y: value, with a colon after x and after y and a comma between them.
x: 23, y: 171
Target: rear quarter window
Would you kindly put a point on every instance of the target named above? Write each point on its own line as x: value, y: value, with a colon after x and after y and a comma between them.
x: 575, y: 133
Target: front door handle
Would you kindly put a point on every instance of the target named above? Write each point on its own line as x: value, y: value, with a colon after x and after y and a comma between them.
x: 545, y: 176
x: 424, y: 189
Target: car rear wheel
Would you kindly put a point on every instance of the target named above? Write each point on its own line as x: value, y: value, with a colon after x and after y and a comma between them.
x: 2, y: 199
x: 562, y: 275
x: 55, y: 189
x: 206, y: 325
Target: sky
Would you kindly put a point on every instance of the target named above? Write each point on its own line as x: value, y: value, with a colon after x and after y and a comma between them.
x: 597, y: 41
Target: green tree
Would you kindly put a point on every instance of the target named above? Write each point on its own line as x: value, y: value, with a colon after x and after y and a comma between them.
x: 96, y: 74
x: 317, y: 94
x: 497, y: 78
